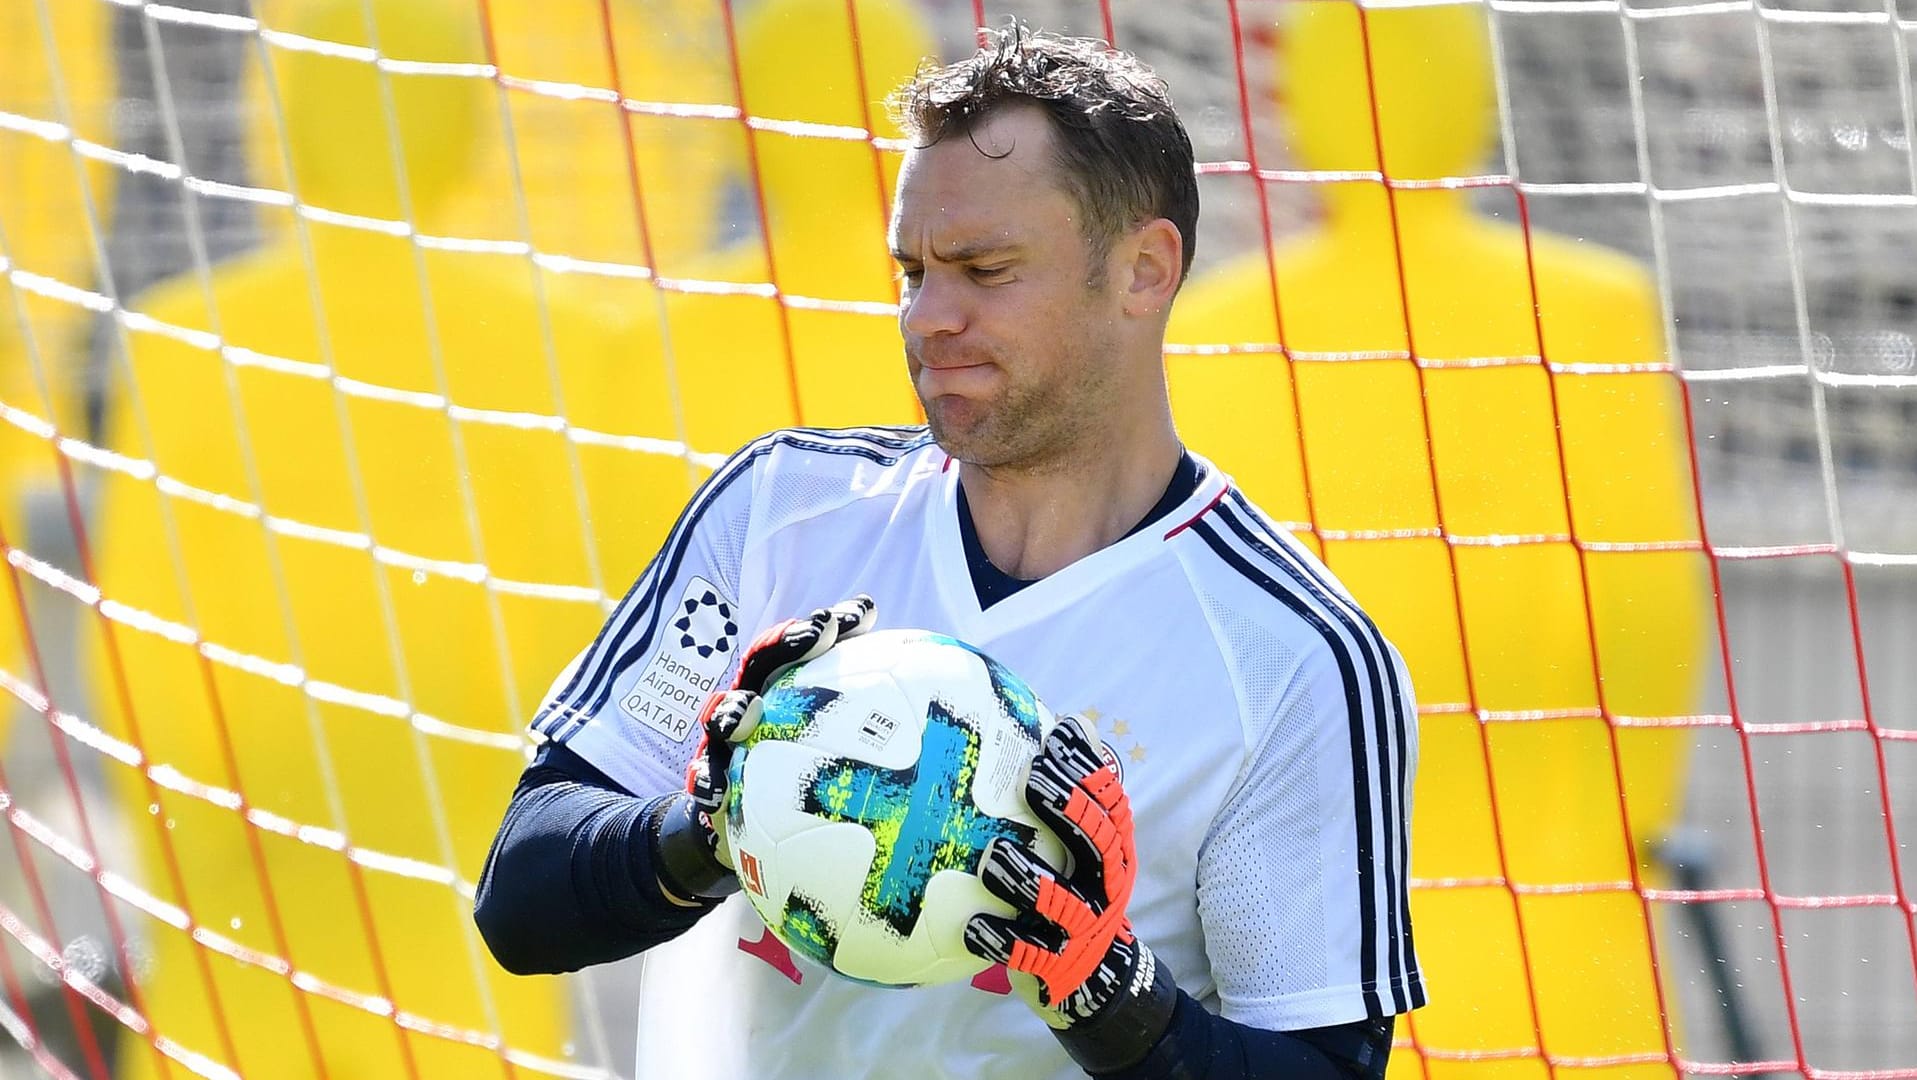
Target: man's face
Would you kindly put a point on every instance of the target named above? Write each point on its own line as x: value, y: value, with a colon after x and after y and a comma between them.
x: 1008, y: 328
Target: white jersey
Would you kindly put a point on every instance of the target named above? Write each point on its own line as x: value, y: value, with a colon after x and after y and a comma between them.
x: 1265, y: 731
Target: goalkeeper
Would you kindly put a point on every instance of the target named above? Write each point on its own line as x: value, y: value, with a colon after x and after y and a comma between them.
x: 1235, y: 904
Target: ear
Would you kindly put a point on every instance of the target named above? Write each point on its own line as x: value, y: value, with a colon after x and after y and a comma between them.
x: 1155, y: 256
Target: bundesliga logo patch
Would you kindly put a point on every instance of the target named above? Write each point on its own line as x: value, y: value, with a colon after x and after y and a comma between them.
x: 749, y: 873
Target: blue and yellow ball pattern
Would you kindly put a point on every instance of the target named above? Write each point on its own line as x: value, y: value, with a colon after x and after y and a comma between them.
x: 867, y: 794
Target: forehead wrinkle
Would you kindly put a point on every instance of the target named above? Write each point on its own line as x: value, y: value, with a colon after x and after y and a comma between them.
x: 977, y: 249
x: 1016, y: 140
x: 967, y: 247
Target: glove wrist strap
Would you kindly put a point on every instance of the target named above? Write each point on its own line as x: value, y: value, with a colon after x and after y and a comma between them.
x: 1124, y: 1031
x: 682, y: 852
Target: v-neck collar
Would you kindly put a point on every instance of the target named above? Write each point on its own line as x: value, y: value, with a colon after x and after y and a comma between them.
x: 993, y: 585
x: 1054, y: 592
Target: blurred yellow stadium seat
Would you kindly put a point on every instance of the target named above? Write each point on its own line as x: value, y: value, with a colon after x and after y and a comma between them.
x: 569, y: 189
x: 649, y: 198
x: 736, y: 362
x: 572, y: 164
x: 1467, y: 293
x: 404, y: 330
x: 57, y: 75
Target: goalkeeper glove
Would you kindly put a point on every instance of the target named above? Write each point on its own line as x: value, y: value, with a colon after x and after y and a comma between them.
x: 1070, y: 948
x: 688, y: 848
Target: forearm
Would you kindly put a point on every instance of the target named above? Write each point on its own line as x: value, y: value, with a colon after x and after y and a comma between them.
x: 573, y: 878
x: 1199, y: 1045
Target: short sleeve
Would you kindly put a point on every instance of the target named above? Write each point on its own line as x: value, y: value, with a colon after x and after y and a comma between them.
x: 1302, y: 890
x: 629, y: 702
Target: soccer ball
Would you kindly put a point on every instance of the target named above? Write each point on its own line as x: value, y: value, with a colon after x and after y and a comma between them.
x: 861, y: 804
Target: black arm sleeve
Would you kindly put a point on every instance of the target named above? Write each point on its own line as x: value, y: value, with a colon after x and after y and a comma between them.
x: 1201, y: 1046
x: 571, y: 878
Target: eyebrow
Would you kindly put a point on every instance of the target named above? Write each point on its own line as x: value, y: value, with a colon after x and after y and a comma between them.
x: 965, y: 253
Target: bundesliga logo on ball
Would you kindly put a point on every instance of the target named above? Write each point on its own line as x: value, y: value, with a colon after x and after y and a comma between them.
x: 864, y: 799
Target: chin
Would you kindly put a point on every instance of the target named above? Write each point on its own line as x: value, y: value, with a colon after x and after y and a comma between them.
x: 981, y: 447
x: 961, y: 428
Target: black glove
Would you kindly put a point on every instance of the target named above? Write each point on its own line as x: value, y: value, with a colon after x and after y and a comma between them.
x: 1070, y: 949
x: 688, y: 843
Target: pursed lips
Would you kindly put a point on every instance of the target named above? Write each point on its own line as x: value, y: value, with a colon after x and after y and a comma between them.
x: 972, y: 377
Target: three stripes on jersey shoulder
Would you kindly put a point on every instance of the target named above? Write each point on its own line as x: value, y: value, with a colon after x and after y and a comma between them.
x: 1382, y: 725
x: 628, y: 635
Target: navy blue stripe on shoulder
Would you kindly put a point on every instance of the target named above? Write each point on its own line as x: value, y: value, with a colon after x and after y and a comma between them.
x: 895, y: 436
x: 591, y: 684
x: 1389, y: 702
x: 560, y: 717
x: 1360, y: 764
x: 1393, y: 723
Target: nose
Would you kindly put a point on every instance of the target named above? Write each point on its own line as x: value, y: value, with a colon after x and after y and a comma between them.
x: 931, y: 307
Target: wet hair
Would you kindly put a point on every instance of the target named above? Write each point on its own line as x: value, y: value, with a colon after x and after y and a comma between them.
x: 1121, y: 151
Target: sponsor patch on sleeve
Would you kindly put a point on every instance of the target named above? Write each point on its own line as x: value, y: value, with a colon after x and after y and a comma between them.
x: 696, y: 643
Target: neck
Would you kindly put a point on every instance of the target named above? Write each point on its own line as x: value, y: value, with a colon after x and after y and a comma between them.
x: 1036, y: 520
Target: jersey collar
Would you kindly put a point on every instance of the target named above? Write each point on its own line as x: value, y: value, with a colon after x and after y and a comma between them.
x: 1058, y: 591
